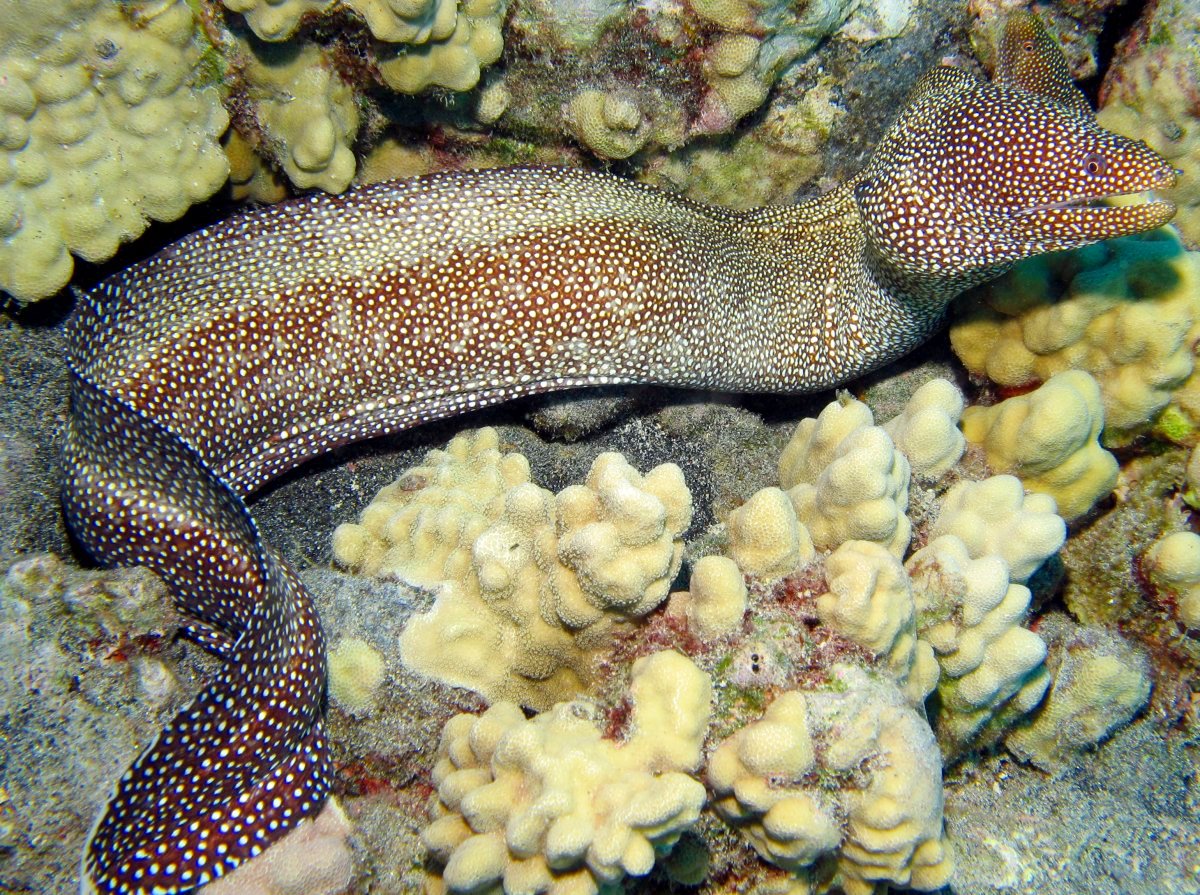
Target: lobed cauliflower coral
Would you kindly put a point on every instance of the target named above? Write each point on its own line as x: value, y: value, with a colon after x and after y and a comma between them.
x: 529, y: 583
x: 276, y: 19
x: 716, y: 598
x: 306, y: 113
x: 549, y: 805
x: 1127, y: 311
x: 850, y: 772
x: 870, y: 602
x: 453, y: 62
x: 970, y: 614
x: 766, y: 539
x: 1049, y: 439
x: 839, y: 782
x: 1100, y: 684
x: 846, y: 479
x: 926, y: 430
x: 608, y: 123
x: 1173, y: 566
x: 1150, y: 89
x: 103, y: 128
x: 996, y: 517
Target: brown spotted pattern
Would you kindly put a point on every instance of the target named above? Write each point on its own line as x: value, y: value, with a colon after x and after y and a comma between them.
x: 246, y: 348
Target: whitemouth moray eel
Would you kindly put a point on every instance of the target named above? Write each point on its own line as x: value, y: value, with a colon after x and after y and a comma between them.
x: 249, y: 347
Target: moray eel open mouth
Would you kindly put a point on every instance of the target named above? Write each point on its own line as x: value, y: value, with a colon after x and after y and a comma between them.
x: 1105, y: 216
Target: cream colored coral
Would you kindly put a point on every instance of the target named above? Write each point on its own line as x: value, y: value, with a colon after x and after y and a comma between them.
x: 1191, y: 478
x: 972, y: 616
x: 728, y: 15
x: 870, y: 602
x: 815, y: 442
x: 528, y: 584
x: 846, y: 479
x: 275, y: 19
x: 1152, y: 92
x: 995, y: 517
x: 251, y: 177
x: 926, y: 430
x: 423, y: 526
x: 548, y: 805
x: 606, y: 122
x: 408, y: 21
x: 766, y: 539
x: 716, y: 598
x: 493, y: 102
x: 851, y: 772
x: 1127, y: 311
x: 105, y: 124
x: 356, y: 672
x: 731, y: 71
x: 1050, y: 440
x: 1173, y: 566
x: 306, y: 111
x: 618, y: 538
x: 313, y: 859
x: 455, y: 62
x: 1100, y: 684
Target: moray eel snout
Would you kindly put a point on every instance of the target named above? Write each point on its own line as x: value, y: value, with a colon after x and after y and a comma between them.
x: 1096, y: 166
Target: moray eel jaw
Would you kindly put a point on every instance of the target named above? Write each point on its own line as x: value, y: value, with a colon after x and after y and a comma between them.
x: 1093, y: 218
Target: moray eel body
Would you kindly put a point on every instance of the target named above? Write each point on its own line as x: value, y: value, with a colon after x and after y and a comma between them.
x: 249, y: 347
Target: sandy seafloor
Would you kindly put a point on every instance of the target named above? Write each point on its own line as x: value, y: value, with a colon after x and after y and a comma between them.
x: 71, y: 717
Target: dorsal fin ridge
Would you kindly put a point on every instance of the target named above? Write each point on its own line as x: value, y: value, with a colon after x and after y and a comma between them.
x: 1032, y: 62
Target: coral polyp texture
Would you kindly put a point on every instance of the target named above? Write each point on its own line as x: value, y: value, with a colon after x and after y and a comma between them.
x: 995, y: 517
x: 870, y: 602
x: 926, y: 431
x: 970, y: 615
x: 1151, y: 86
x: 1127, y: 311
x: 841, y: 784
x: 846, y: 479
x: 549, y: 805
x: 276, y: 19
x: 454, y: 62
x: 1100, y: 683
x: 306, y: 113
x: 107, y: 125
x: 716, y: 598
x: 356, y: 672
x: 1173, y: 566
x: 1049, y: 439
x: 766, y: 538
x: 529, y: 584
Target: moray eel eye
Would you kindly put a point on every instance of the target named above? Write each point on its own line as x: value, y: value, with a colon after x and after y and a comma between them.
x: 1095, y: 164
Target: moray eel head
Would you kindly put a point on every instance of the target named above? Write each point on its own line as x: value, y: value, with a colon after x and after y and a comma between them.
x: 975, y: 176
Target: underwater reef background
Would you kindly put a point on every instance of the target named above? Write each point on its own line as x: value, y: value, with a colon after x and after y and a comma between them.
x: 958, y: 648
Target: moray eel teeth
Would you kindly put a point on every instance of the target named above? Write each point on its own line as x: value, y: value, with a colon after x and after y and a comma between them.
x: 247, y: 348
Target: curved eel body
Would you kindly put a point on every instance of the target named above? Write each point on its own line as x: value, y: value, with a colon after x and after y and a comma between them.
x: 249, y: 347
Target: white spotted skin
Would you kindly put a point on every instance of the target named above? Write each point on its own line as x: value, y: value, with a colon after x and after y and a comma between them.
x: 249, y: 347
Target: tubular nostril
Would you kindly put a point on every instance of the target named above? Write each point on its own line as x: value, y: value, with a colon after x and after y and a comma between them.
x: 1168, y: 177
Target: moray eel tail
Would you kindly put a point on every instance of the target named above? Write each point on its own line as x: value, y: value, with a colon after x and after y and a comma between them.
x: 247, y: 759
